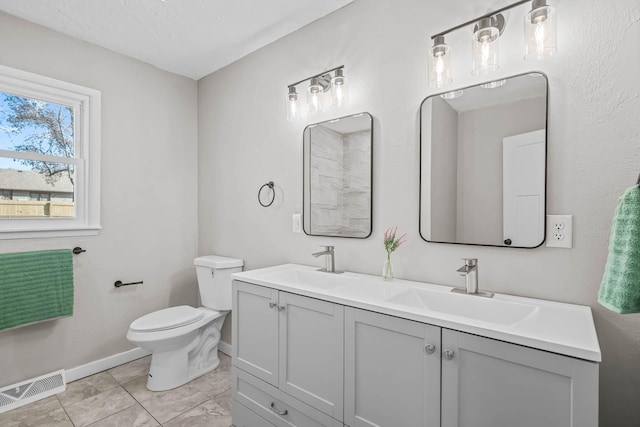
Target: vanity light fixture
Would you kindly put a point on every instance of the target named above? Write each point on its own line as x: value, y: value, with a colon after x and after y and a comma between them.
x: 339, y: 89
x: 540, y: 31
x: 485, y: 50
x: 439, y: 64
x: 292, y: 108
x: 315, y: 96
x: 540, y: 36
x: 317, y: 93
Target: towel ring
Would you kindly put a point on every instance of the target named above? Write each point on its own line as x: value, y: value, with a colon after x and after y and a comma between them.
x: 273, y: 194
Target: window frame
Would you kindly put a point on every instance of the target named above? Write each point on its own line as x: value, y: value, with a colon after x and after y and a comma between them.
x: 86, y: 109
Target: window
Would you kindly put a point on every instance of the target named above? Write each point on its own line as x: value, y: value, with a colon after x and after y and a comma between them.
x: 49, y: 157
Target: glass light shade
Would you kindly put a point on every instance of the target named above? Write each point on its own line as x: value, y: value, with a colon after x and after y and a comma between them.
x: 485, y: 49
x: 291, y: 104
x: 339, y: 90
x: 540, y: 31
x: 439, y: 64
x: 314, y: 97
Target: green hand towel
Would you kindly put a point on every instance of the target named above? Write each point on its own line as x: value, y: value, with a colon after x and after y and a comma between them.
x: 35, y: 286
x: 620, y: 288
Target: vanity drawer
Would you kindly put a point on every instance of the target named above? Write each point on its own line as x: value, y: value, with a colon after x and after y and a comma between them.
x: 244, y: 417
x: 273, y: 405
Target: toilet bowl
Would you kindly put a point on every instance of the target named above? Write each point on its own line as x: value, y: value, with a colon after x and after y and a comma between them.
x: 183, y: 340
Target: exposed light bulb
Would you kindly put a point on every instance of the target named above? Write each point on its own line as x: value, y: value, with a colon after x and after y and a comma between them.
x: 539, y: 37
x: 486, y: 51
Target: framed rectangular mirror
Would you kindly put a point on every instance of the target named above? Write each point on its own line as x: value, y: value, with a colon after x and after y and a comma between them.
x: 483, y: 163
x: 337, y: 177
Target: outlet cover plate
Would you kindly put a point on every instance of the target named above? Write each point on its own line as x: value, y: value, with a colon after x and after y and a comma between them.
x: 296, y: 223
x: 560, y: 231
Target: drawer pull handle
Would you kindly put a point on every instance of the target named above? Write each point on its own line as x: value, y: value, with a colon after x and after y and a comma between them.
x: 449, y: 354
x: 430, y: 348
x: 273, y: 305
x: 277, y: 411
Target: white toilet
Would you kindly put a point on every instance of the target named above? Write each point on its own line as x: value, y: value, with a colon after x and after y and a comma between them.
x: 184, y: 340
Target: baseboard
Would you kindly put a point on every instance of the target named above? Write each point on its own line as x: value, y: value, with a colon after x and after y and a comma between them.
x: 225, y: 348
x: 96, y: 366
x: 100, y: 365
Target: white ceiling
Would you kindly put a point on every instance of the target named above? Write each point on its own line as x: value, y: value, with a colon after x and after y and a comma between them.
x: 188, y: 37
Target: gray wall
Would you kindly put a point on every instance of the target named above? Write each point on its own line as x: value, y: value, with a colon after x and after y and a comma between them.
x: 593, y: 154
x: 149, y: 146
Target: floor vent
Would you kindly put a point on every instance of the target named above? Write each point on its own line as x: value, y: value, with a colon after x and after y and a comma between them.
x: 28, y: 391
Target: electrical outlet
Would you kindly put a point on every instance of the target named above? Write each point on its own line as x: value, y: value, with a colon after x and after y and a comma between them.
x: 296, y: 223
x: 560, y: 231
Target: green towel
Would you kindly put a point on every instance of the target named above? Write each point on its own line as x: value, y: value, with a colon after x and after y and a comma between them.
x: 620, y: 288
x: 35, y: 286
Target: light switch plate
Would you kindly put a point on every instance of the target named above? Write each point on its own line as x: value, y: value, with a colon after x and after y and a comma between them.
x: 560, y: 231
x: 296, y: 223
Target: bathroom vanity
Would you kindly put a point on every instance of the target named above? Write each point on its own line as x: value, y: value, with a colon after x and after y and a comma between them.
x: 321, y: 349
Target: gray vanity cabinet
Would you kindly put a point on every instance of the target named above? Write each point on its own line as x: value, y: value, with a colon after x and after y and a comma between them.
x: 306, y: 362
x: 392, y: 371
x: 489, y: 383
x: 291, y: 342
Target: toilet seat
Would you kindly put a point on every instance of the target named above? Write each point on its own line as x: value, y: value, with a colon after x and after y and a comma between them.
x: 166, y: 319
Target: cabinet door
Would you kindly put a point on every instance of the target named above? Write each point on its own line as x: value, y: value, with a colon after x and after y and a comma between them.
x: 489, y: 383
x: 255, y: 330
x: 311, y: 352
x: 392, y: 374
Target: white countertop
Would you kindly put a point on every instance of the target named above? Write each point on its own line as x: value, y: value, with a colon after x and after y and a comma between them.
x: 561, y: 328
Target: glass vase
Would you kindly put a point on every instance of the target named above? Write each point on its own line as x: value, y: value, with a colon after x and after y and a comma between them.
x: 387, y: 269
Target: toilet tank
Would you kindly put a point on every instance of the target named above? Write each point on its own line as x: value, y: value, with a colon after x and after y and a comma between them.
x: 214, y: 280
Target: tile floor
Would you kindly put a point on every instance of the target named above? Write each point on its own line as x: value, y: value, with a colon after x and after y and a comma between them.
x: 118, y: 397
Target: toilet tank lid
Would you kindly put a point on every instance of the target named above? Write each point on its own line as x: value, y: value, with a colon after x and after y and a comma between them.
x: 214, y: 261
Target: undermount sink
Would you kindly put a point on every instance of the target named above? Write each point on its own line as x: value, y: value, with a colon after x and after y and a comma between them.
x: 469, y: 306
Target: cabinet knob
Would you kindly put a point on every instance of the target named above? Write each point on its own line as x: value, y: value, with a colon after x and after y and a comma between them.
x: 277, y: 411
x: 448, y: 354
x: 281, y: 307
x: 430, y: 348
x: 273, y: 304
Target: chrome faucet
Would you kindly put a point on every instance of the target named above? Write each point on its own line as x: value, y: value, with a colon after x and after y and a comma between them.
x: 470, y: 272
x: 329, y: 261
